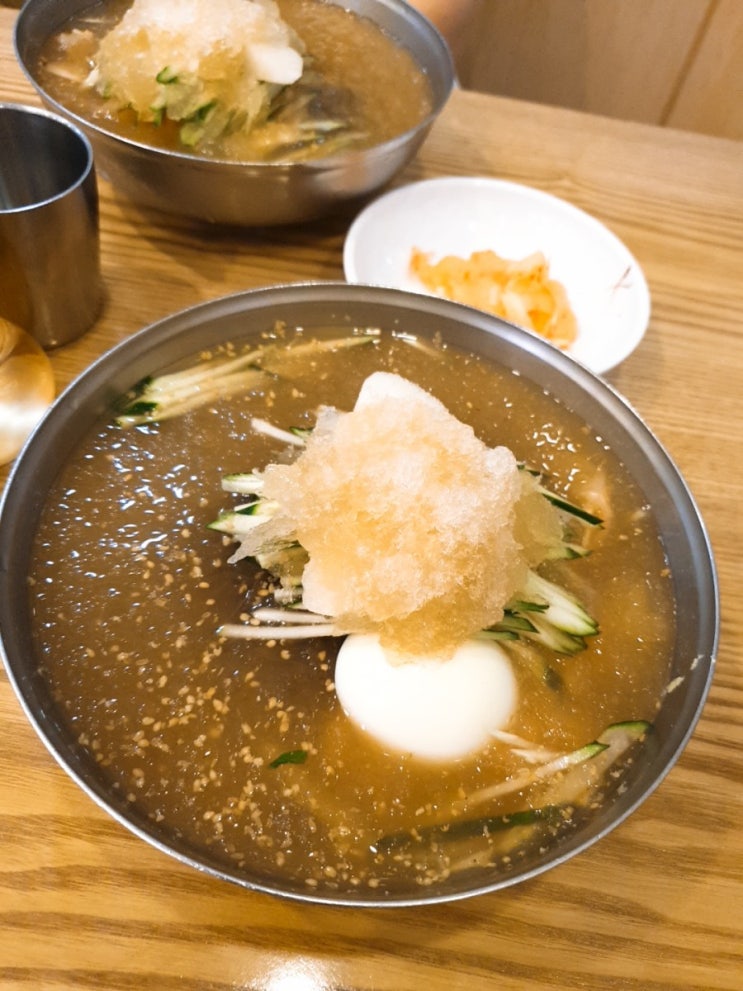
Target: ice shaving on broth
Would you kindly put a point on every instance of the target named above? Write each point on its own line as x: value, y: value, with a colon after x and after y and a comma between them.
x: 408, y: 521
x: 208, y: 64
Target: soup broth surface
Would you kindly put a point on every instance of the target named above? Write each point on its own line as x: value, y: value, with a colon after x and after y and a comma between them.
x: 341, y: 81
x: 128, y: 588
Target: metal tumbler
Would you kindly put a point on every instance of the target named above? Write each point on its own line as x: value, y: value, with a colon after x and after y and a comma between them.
x: 50, y: 281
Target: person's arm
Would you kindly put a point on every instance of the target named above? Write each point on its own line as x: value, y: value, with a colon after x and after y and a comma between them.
x: 449, y: 16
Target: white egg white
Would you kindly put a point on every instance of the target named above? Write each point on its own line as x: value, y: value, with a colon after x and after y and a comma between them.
x: 434, y: 709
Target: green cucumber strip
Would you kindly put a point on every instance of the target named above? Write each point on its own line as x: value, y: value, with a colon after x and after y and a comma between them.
x: 251, y: 508
x: 568, y: 507
x: 235, y: 524
x: 626, y: 733
x: 554, y: 638
x: 141, y: 408
x: 290, y: 757
x: 167, y: 76
x: 269, y: 430
x: 175, y: 393
x: 459, y: 829
x: 514, y: 623
x: 567, y: 551
x: 564, y: 610
x: 523, y: 605
x: 539, y: 774
x: 560, y: 502
x: 497, y: 634
x: 165, y: 402
x: 245, y: 483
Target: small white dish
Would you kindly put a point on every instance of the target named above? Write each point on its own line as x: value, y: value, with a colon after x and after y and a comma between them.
x: 605, y: 285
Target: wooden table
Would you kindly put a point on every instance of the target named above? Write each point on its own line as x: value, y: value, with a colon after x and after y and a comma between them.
x: 657, y: 904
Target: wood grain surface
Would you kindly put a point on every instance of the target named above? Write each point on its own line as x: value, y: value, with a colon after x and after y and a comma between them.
x: 658, y: 903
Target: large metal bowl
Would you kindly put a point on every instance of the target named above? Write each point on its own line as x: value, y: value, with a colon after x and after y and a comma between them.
x: 249, y: 194
x: 243, y: 318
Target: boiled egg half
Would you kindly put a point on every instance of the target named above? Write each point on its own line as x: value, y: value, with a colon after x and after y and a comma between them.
x: 431, y: 708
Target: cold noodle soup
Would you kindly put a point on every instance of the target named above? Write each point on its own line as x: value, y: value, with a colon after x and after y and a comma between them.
x: 241, y: 748
x: 202, y: 78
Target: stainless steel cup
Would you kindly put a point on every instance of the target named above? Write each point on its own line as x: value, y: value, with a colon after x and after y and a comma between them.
x: 50, y: 281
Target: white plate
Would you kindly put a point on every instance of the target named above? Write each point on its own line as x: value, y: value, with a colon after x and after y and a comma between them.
x: 605, y: 285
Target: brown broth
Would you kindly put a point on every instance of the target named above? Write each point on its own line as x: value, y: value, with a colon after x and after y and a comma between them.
x: 129, y: 587
x: 342, y: 48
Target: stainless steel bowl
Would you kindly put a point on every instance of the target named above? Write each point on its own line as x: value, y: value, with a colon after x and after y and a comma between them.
x: 248, y: 194
x: 244, y: 317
